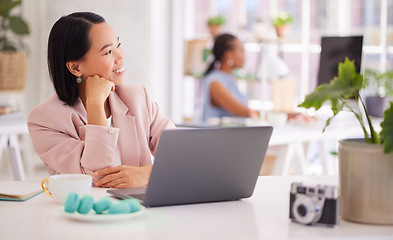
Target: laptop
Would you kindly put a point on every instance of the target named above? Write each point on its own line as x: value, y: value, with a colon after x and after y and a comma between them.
x: 203, y: 165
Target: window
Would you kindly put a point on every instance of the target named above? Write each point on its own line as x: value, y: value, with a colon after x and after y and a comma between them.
x: 301, y: 48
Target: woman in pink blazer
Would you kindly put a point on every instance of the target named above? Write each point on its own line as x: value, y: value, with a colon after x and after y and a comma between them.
x: 94, y: 124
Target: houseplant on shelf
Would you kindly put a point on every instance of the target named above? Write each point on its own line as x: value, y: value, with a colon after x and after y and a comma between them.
x: 215, y: 24
x: 381, y: 83
x: 365, y: 165
x: 281, y: 23
x: 13, y: 57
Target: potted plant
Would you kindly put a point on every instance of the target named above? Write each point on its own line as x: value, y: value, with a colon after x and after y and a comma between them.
x: 365, y: 165
x: 382, y: 85
x: 215, y: 24
x: 281, y: 23
x: 13, y: 57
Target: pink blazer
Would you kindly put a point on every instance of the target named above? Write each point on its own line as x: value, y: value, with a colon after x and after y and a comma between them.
x: 67, y: 144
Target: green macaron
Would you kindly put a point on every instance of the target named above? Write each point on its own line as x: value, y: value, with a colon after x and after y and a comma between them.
x: 102, y: 205
x: 86, y: 204
x: 119, y: 208
x: 72, y: 202
x: 134, y: 204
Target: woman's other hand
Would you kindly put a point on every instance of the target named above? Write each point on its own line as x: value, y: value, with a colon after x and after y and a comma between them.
x: 123, y: 176
x: 253, y: 114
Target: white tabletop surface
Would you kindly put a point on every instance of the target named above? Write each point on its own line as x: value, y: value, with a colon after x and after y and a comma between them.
x: 263, y: 216
x: 342, y: 127
x: 16, y: 127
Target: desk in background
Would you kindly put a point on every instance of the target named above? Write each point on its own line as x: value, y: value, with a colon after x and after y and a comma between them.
x: 292, y: 140
x: 263, y: 216
x: 9, y: 132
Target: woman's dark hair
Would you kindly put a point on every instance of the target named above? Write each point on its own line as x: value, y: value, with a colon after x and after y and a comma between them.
x: 69, y: 41
x: 222, y: 44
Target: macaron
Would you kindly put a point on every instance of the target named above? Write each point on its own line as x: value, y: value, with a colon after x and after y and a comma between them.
x: 72, y: 202
x: 86, y: 204
x: 102, y: 205
x: 134, y: 204
x: 119, y: 208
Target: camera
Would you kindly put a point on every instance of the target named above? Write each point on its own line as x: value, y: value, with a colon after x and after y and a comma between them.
x: 314, y: 204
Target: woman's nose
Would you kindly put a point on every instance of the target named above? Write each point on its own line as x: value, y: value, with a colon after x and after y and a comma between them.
x: 119, y: 55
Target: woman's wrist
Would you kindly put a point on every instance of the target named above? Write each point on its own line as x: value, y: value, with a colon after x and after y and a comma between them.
x: 96, y: 113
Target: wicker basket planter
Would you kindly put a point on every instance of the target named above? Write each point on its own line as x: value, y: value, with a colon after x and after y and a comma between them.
x: 13, y: 68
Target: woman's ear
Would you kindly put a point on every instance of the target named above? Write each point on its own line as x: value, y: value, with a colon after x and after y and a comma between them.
x: 227, y: 55
x: 74, y: 68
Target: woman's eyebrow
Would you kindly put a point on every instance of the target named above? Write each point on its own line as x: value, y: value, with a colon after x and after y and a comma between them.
x: 105, y: 46
x: 108, y: 45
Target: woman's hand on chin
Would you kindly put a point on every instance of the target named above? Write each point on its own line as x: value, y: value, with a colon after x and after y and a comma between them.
x: 123, y: 176
x: 98, y: 89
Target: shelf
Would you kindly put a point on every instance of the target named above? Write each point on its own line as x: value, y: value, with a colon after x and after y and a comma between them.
x: 313, y: 48
x: 284, y: 47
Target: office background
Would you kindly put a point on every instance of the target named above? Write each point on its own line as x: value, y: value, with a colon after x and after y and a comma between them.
x: 154, y: 34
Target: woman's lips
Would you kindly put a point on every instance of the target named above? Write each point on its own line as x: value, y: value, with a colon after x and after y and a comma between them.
x: 119, y: 70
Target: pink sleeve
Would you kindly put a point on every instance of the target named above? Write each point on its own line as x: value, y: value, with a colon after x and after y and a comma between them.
x: 66, y: 145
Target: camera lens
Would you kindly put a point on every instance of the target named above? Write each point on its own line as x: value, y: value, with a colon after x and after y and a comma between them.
x: 302, y: 210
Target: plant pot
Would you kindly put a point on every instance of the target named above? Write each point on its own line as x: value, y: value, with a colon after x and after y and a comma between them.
x: 215, y: 30
x: 366, y: 182
x: 13, y: 68
x: 376, y: 106
x: 283, y: 30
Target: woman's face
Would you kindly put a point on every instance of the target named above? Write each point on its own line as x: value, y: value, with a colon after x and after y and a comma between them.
x: 238, y: 54
x: 105, y: 56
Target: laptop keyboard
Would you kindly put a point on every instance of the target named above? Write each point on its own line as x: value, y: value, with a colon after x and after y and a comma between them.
x: 140, y: 196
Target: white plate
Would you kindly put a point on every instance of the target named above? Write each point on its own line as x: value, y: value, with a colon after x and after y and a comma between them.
x: 93, y: 217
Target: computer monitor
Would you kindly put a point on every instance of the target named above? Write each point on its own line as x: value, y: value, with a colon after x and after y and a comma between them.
x: 333, y: 51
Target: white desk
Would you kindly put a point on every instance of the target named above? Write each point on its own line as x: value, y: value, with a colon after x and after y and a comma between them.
x: 263, y: 216
x: 9, y: 139
x: 292, y: 139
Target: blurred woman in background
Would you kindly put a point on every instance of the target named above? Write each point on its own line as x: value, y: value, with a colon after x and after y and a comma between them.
x: 221, y: 95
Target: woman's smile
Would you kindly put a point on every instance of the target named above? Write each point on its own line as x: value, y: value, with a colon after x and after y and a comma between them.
x: 119, y: 70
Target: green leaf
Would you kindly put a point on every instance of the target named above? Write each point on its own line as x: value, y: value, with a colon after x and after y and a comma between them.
x: 216, y: 21
x: 357, y: 82
x: 282, y: 18
x: 389, y: 82
x: 7, y: 5
x: 8, y: 48
x: 387, y: 130
x: 18, y: 25
x: 337, y: 106
x: 345, y: 85
x: 7, y: 45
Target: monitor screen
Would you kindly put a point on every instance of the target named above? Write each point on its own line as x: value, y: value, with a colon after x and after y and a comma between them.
x: 333, y: 51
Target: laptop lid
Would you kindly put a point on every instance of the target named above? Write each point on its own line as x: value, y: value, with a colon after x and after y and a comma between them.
x: 205, y: 165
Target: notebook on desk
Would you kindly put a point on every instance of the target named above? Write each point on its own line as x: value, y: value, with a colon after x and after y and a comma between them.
x: 19, y: 190
x: 203, y: 165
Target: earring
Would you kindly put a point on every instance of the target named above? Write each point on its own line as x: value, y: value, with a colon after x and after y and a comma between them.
x: 79, y: 79
x: 230, y: 62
